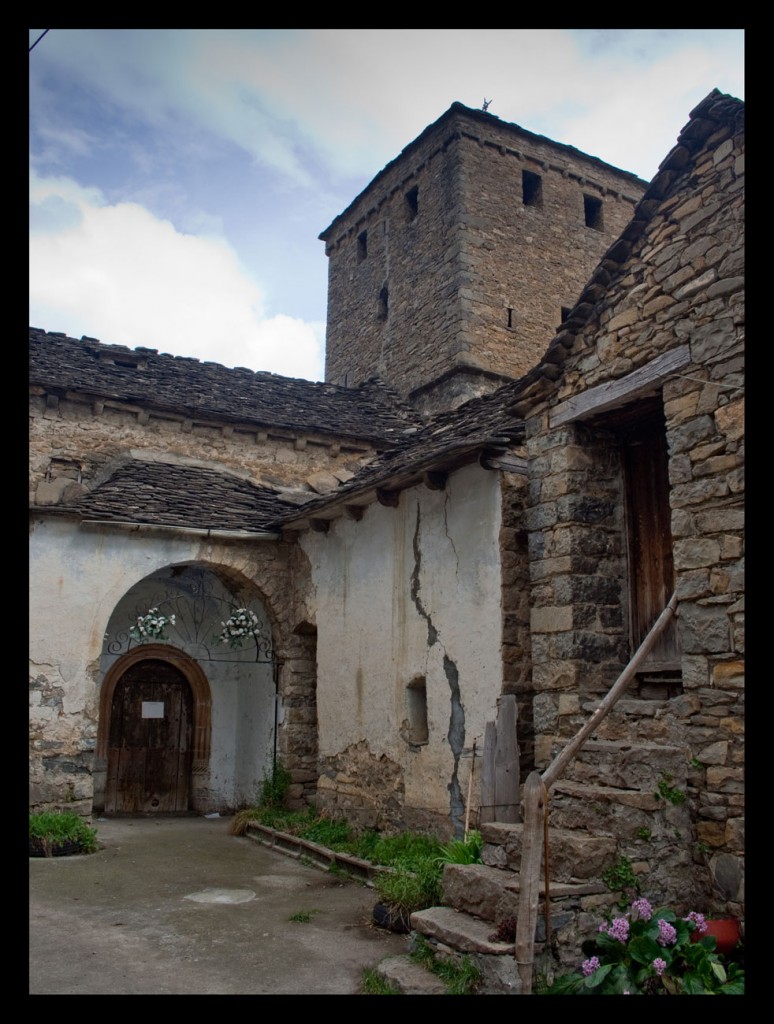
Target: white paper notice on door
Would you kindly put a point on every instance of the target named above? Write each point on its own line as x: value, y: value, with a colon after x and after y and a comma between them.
x: 153, y: 709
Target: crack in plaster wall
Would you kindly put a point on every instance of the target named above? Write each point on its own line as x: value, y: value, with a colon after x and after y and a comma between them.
x: 456, y: 733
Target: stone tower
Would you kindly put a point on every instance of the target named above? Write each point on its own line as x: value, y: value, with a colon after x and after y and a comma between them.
x: 453, y: 268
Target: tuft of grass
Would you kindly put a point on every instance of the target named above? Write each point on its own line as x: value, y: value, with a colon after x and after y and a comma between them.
x: 275, y: 785
x: 405, y: 891
x: 463, y: 851
x: 52, y: 830
x: 328, y: 832
x: 461, y: 976
x: 303, y: 916
x: 374, y: 985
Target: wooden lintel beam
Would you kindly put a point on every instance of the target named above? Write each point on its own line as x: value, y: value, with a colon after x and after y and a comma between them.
x: 503, y: 460
x: 618, y: 392
x: 435, y: 479
x: 388, y: 498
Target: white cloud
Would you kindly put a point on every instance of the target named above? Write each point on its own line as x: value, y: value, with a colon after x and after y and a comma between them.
x: 118, y: 273
x: 359, y: 95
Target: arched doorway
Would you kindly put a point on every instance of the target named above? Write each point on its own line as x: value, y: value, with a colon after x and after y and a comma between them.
x: 154, y: 736
x: 150, y: 743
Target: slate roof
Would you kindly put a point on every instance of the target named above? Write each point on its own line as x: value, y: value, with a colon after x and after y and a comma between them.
x: 454, y: 436
x: 166, y: 494
x: 372, y: 412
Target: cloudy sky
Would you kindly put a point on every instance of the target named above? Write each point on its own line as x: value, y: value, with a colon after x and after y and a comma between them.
x: 179, y: 178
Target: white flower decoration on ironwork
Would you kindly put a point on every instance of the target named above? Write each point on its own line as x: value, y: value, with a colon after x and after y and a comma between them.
x: 151, y: 626
x: 241, y: 625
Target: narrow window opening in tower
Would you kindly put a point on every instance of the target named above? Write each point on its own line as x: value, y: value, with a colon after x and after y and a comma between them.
x: 592, y: 208
x: 565, y: 313
x: 384, y: 298
x: 412, y: 202
x: 362, y: 246
x: 509, y: 311
x: 531, y: 189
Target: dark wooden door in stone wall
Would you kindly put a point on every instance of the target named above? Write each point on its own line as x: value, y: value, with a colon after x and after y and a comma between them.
x: 150, y: 752
x: 648, y: 515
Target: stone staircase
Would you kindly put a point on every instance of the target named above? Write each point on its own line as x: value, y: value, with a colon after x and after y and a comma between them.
x: 478, y: 919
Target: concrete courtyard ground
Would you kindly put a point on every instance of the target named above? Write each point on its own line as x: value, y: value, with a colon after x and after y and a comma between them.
x: 177, y: 906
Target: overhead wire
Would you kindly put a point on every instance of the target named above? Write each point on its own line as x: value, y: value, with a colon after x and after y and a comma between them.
x: 38, y: 39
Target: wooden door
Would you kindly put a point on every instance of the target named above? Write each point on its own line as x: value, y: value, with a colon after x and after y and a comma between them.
x: 648, y: 521
x: 149, y: 747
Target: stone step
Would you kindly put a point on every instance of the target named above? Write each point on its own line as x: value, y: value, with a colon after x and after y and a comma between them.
x: 455, y: 934
x: 493, y: 894
x: 621, y: 764
x: 575, y: 855
x: 410, y: 979
x: 459, y: 931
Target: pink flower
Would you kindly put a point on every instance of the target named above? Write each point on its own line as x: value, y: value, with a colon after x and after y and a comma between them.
x: 666, y: 933
x: 698, y: 920
x: 643, y: 909
x: 659, y: 966
x: 589, y: 966
x: 619, y: 929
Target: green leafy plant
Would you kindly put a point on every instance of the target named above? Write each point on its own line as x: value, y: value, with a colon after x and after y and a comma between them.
x: 666, y: 791
x: 374, y: 985
x: 695, y: 763
x: 52, y: 833
x: 620, y: 877
x: 652, y: 952
x: 645, y: 834
x: 460, y: 975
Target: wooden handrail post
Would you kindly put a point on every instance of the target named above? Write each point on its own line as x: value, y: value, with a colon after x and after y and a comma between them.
x: 529, y: 878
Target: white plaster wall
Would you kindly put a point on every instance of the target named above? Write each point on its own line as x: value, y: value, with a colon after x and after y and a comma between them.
x: 85, y: 583
x: 379, y: 586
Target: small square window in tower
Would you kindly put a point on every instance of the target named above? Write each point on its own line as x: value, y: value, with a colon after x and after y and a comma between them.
x: 592, y: 209
x: 362, y: 246
x: 531, y: 189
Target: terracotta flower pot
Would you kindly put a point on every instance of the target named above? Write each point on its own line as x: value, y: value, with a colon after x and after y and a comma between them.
x: 726, y: 932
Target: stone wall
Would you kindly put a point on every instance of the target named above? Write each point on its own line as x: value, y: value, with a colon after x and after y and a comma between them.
x: 515, y: 595
x: 70, y: 442
x: 448, y: 259
x: 678, y: 288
